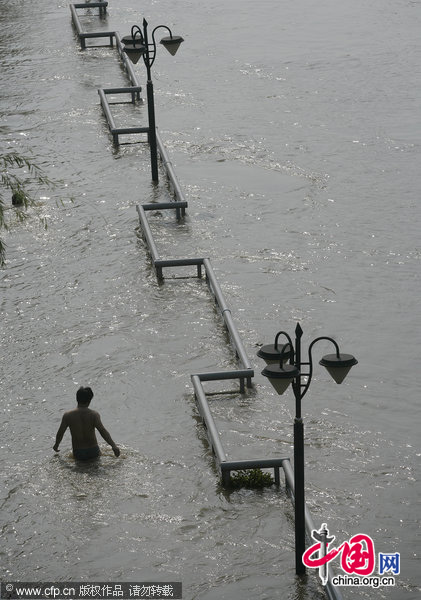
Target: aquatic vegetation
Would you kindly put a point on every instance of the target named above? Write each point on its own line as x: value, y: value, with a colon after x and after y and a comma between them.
x: 10, y: 162
x: 251, y: 478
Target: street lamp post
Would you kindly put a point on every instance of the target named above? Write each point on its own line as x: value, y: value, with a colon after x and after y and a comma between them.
x: 136, y: 45
x: 280, y: 376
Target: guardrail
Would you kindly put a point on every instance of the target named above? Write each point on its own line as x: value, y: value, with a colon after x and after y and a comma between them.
x: 84, y: 35
x: 168, y: 166
x: 246, y: 373
x: 114, y: 130
x: 243, y: 374
x: 224, y: 465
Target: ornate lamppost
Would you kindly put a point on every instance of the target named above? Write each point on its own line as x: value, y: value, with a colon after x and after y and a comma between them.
x: 136, y: 45
x: 280, y: 375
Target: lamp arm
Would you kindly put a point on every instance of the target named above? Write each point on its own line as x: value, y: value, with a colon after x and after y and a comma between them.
x: 137, y: 31
x: 288, y: 347
x: 287, y: 336
x: 310, y: 360
x: 289, y: 344
x: 153, y: 43
x: 160, y: 26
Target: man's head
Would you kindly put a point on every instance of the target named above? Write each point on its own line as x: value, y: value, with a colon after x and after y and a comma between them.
x: 84, y: 396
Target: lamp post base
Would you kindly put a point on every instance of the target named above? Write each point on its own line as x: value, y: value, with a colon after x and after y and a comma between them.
x: 299, y: 501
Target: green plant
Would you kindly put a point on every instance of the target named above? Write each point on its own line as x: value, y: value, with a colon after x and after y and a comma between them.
x: 10, y: 162
x: 251, y: 478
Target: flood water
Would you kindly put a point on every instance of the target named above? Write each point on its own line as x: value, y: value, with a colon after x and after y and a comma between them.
x: 294, y: 130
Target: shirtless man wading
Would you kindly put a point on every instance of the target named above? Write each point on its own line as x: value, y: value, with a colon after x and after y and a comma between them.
x: 82, y: 422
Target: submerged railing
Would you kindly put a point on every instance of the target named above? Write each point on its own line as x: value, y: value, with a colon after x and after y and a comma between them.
x: 245, y: 372
x: 84, y: 35
x: 117, y: 131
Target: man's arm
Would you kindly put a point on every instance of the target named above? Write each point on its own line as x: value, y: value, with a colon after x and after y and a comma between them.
x: 104, y: 433
x: 60, y: 433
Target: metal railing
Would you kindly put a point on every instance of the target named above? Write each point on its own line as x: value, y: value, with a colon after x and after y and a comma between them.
x: 114, y: 130
x: 84, y: 35
x: 224, y: 465
x: 246, y: 372
x: 243, y: 374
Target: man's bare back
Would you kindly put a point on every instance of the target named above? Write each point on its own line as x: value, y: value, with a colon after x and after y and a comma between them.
x: 82, y: 422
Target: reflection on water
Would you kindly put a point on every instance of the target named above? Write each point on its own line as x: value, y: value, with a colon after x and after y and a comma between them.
x: 153, y: 527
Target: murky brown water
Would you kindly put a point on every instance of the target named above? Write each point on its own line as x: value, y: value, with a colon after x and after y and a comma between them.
x: 293, y: 130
